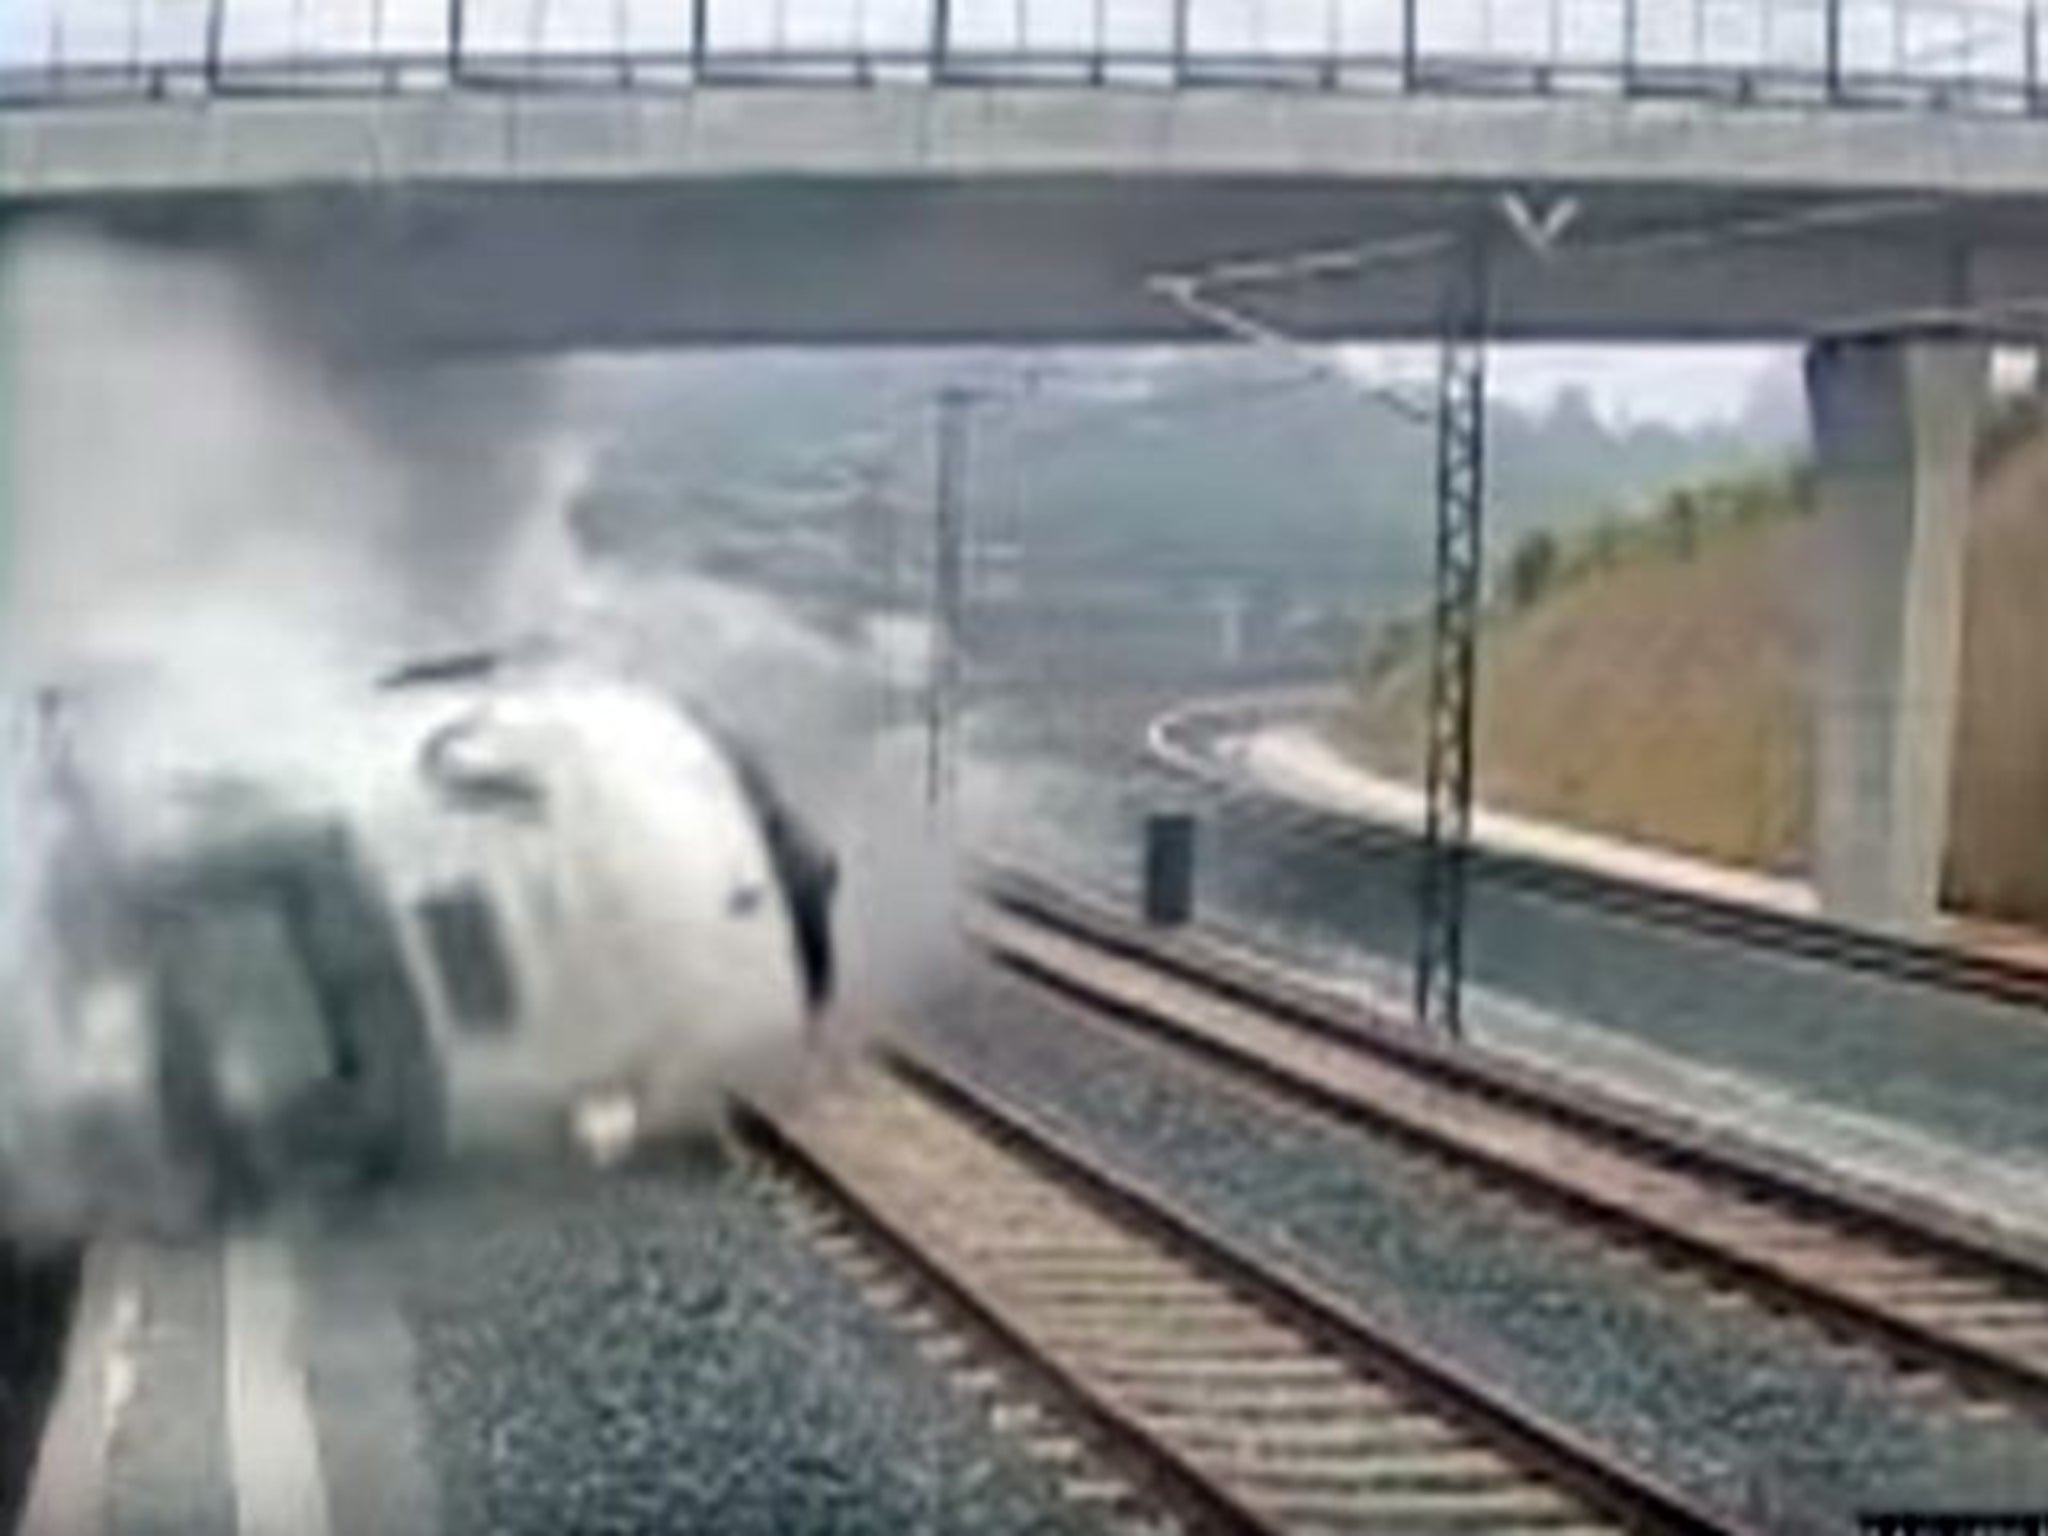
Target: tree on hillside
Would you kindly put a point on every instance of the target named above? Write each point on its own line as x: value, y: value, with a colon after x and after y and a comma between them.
x: 1682, y: 517
x: 1532, y: 569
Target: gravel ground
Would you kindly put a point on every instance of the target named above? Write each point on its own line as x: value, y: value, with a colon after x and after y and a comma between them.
x: 1969, y: 1069
x: 657, y: 1351
x: 1753, y: 1417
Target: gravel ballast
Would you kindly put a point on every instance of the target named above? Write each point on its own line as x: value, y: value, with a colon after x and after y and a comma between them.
x: 1750, y: 1413
x: 658, y: 1351
x: 1968, y: 1069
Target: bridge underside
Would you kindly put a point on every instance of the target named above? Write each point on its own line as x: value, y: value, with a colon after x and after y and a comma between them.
x: 846, y: 217
x: 1064, y: 260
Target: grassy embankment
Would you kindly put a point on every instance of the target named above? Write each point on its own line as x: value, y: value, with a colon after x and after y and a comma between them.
x: 1650, y: 678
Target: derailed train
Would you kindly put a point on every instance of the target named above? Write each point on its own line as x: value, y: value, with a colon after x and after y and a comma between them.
x: 551, y: 910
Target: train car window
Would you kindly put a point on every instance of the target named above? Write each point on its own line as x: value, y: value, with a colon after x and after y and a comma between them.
x: 469, y: 953
x: 373, y: 1010
x: 234, y: 969
x: 243, y: 1048
x: 291, y: 1043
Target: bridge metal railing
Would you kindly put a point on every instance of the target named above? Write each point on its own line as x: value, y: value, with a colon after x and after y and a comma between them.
x: 1938, y: 55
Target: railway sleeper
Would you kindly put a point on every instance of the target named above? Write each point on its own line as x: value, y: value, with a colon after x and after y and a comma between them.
x: 1380, y: 1510
x: 1452, y: 1469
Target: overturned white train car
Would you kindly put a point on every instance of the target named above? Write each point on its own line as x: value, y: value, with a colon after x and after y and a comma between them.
x: 549, y: 910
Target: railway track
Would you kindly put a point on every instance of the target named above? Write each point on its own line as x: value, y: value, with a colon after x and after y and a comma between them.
x: 1958, y: 1306
x: 1237, y: 1398
x: 1185, y: 744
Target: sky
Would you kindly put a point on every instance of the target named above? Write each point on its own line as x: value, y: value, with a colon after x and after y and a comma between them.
x: 1685, y: 386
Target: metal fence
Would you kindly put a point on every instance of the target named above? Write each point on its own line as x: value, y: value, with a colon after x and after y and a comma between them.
x: 1982, y: 56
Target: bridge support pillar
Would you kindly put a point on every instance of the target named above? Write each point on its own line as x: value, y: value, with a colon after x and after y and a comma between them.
x: 1894, y: 426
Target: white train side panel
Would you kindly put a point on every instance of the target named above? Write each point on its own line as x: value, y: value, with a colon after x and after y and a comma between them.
x: 647, y: 943
x: 536, y: 910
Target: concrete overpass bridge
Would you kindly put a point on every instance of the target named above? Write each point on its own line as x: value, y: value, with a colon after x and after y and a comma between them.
x: 1864, y: 177
x: 1014, y: 170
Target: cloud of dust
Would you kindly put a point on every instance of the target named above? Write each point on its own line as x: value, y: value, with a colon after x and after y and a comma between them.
x: 207, y: 514
x: 218, y: 538
x: 819, y: 709
x: 223, y: 531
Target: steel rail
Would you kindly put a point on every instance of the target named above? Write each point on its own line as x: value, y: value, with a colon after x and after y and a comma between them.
x: 1397, y: 1376
x: 1926, y: 1285
x: 1945, y: 966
